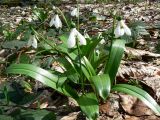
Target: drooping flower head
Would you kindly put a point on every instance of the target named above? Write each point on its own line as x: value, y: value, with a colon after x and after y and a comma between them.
x: 56, y: 21
x: 75, y: 35
x: 121, y: 29
x: 75, y: 12
x: 32, y: 41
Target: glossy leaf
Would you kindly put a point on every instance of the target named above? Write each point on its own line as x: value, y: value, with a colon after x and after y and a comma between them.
x: 88, y: 50
x: 88, y: 65
x: 102, y: 85
x: 89, y: 105
x: 115, y: 57
x: 139, y: 93
x: 87, y: 68
x: 41, y: 75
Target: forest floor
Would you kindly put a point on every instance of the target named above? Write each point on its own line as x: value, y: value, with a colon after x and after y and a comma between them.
x: 141, y: 63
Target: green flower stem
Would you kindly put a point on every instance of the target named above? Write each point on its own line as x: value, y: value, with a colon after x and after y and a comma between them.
x: 5, y: 91
x: 113, y: 24
x: 63, y: 17
x: 81, y: 78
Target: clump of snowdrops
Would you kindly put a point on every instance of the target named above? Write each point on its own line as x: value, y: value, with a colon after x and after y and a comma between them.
x: 87, y: 72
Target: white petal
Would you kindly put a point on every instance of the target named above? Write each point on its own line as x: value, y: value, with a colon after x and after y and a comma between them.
x: 74, y: 12
x: 58, y: 23
x: 126, y: 29
x: 81, y: 38
x: 53, y: 7
x: 32, y: 41
x: 72, y: 38
x: 102, y: 41
x: 52, y: 22
x: 122, y: 32
x: 118, y: 31
x: 29, y: 41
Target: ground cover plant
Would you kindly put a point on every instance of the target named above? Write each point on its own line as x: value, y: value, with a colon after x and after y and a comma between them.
x: 86, y: 65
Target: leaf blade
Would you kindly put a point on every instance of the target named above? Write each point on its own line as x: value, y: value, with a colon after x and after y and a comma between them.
x: 139, y: 93
x: 102, y: 85
x: 89, y: 105
x: 41, y: 75
x: 115, y: 57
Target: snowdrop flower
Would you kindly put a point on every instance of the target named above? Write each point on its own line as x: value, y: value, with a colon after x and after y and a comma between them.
x: 74, y: 34
x: 32, y: 41
x: 56, y: 22
x: 122, y: 29
x: 54, y: 7
x: 75, y: 12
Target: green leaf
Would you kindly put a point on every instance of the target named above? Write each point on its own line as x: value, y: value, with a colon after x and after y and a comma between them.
x: 15, y: 93
x: 115, y: 57
x: 5, y: 117
x: 87, y: 68
x: 14, y: 44
x: 88, y: 50
x: 89, y: 105
x: 24, y: 58
x: 102, y: 85
x: 88, y: 65
x: 37, y: 115
x: 139, y: 93
x: 41, y: 75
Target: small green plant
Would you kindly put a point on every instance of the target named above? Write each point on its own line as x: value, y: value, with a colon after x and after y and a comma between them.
x: 88, y: 73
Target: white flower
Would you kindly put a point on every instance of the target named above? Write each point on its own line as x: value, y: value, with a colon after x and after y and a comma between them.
x: 75, y: 12
x: 53, y: 7
x: 121, y: 29
x: 56, y: 22
x: 32, y: 41
x: 126, y: 29
x: 74, y: 34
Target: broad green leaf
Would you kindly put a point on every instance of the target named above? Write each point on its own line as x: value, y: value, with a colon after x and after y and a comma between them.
x: 37, y: 115
x: 139, y: 93
x: 41, y: 75
x: 87, y: 68
x: 115, y: 57
x: 102, y: 85
x: 5, y: 117
x: 14, y: 44
x: 89, y: 105
x: 88, y: 65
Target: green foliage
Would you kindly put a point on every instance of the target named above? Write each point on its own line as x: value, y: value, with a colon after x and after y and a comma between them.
x: 15, y: 93
x: 26, y: 114
x: 89, y: 105
x: 86, y: 73
x: 102, y: 85
x: 41, y: 75
x: 139, y: 93
x: 39, y: 13
x: 115, y: 57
